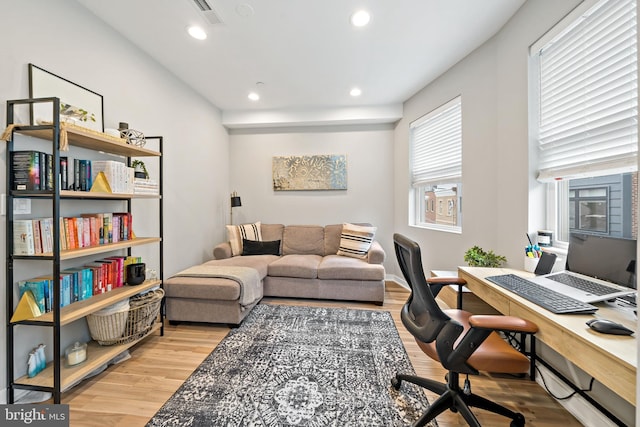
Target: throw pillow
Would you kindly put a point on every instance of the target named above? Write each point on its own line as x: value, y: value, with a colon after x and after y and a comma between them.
x: 355, y: 240
x: 255, y: 247
x: 236, y: 233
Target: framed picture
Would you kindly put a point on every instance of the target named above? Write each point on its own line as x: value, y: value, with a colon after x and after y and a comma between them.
x: 78, y: 105
x: 317, y: 172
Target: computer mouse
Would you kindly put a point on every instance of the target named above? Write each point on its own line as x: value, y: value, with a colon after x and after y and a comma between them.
x: 605, y: 326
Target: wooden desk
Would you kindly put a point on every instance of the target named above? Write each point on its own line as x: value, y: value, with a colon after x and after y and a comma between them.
x: 610, y: 359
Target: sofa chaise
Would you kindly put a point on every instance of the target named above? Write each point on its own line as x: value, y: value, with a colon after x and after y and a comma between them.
x: 337, y: 262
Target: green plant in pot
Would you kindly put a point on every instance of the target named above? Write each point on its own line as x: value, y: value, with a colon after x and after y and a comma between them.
x: 478, y: 257
x: 140, y: 170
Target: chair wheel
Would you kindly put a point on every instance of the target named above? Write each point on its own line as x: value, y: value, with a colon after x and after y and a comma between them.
x: 395, y: 382
x: 518, y: 421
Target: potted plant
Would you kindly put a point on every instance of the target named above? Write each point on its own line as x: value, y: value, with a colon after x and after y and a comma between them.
x: 478, y: 257
x: 140, y: 170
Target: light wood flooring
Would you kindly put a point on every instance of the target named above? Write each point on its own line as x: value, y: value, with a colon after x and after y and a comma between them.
x: 129, y: 394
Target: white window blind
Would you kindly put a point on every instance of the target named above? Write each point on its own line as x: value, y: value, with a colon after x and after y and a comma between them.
x: 588, y: 95
x: 436, y: 146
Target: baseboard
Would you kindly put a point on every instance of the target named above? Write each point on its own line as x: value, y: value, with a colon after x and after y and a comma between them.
x: 576, y: 405
x: 398, y: 280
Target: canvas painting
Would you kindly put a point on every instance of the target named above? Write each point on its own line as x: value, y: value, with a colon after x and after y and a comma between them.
x: 317, y: 172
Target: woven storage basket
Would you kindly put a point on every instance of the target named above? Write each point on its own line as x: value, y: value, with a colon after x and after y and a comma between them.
x: 108, y: 325
x: 138, y: 321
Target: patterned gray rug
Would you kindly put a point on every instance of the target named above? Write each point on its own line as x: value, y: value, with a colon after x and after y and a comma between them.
x: 300, y: 366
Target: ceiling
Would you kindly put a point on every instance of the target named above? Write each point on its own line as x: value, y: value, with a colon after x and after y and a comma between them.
x: 306, y: 54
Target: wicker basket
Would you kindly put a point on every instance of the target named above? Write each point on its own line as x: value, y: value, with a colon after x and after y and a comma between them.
x: 138, y: 320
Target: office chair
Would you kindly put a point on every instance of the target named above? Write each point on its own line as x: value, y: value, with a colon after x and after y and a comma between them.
x: 463, y: 343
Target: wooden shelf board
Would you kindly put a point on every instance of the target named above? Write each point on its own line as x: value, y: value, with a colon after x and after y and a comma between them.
x: 95, y: 141
x: 93, y: 250
x: 68, y: 194
x: 80, y: 309
x: 97, y: 355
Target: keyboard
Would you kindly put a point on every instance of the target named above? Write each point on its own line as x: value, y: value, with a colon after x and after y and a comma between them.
x: 583, y: 284
x: 546, y: 298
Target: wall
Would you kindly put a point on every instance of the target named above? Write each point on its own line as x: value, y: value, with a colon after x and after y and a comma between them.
x: 62, y: 37
x: 369, y: 177
x: 501, y: 199
x: 493, y: 83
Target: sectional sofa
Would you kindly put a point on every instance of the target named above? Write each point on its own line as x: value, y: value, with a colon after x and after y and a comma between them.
x: 338, y: 262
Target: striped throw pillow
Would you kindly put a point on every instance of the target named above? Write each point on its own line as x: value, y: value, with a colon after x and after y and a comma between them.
x: 355, y: 240
x: 236, y: 233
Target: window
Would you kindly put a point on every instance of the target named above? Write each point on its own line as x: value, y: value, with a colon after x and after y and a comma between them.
x: 436, y: 168
x: 587, y: 131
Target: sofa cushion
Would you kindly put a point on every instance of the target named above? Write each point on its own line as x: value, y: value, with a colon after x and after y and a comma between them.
x: 259, y: 262
x: 271, y: 231
x: 355, y: 240
x: 332, y: 234
x: 236, y: 233
x: 303, y: 240
x: 300, y: 266
x: 257, y: 247
x: 347, y: 268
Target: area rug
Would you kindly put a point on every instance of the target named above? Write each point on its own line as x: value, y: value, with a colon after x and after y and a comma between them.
x: 300, y: 366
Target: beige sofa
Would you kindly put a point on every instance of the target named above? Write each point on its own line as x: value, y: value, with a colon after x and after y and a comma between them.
x: 308, y: 267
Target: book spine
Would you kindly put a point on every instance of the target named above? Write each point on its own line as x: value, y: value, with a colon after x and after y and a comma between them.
x: 76, y: 174
x: 64, y: 173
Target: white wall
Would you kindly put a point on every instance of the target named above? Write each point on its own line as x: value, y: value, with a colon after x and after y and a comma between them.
x: 493, y: 83
x: 501, y: 200
x: 369, y: 150
x: 63, y: 38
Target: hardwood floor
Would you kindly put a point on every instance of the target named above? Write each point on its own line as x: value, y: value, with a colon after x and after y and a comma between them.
x: 129, y: 394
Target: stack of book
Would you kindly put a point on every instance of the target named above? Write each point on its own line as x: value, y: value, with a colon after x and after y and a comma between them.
x: 145, y: 186
x: 81, y: 283
x: 35, y: 236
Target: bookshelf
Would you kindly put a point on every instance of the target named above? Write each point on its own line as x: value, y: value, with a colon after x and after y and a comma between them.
x: 57, y: 377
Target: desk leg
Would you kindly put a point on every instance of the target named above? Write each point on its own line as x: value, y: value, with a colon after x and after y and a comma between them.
x: 531, y: 353
x: 460, y: 297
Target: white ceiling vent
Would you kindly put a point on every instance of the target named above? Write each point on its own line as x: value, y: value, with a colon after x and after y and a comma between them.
x: 208, y: 12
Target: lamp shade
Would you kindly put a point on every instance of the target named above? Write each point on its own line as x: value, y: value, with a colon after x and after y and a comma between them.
x: 235, y: 201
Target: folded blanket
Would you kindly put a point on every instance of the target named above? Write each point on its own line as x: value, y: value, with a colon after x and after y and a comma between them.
x: 242, y: 275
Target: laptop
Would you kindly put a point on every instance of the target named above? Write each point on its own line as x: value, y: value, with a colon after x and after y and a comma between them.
x: 598, y: 268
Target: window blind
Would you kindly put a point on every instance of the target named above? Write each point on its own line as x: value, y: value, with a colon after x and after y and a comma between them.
x: 588, y: 95
x: 436, y: 146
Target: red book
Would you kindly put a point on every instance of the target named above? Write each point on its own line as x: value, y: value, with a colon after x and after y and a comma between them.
x: 119, y: 279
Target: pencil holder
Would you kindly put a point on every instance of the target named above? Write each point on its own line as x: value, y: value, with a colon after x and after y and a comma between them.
x: 530, y: 264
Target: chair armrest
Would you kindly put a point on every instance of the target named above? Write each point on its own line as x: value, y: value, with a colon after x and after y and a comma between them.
x: 376, y: 254
x: 446, y: 281
x: 502, y: 323
x: 222, y: 251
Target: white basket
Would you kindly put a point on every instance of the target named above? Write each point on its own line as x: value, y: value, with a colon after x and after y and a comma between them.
x: 109, y: 323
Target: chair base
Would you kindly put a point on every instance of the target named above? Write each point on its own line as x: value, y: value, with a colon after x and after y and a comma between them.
x: 455, y: 399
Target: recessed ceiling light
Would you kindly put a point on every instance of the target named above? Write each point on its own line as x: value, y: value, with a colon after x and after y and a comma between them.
x: 197, y: 32
x: 360, y: 18
x: 355, y: 92
x: 254, y: 96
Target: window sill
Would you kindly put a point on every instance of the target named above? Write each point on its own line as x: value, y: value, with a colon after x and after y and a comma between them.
x: 445, y: 228
x: 555, y: 250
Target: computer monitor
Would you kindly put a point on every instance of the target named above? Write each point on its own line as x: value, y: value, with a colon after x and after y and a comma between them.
x: 606, y: 258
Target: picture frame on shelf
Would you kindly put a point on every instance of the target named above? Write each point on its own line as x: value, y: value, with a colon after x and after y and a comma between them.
x: 78, y: 105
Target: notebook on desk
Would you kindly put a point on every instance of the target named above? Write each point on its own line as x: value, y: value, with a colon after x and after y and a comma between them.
x: 597, y: 269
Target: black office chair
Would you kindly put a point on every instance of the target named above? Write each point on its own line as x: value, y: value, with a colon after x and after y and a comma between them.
x: 461, y: 342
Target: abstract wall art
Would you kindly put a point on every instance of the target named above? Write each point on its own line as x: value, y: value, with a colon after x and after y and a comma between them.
x: 317, y: 172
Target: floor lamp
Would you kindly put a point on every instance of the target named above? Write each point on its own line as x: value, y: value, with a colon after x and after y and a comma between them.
x: 235, y: 202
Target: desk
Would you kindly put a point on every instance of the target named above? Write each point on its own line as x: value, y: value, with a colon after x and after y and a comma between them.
x: 610, y: 359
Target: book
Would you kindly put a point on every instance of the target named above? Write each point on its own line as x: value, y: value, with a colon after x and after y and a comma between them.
x: 37, y: 239
x: 48, y: 173
x: 25, y: 170
x: 119, y: 270
x: 64, y: 173
x: 23, y: 237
